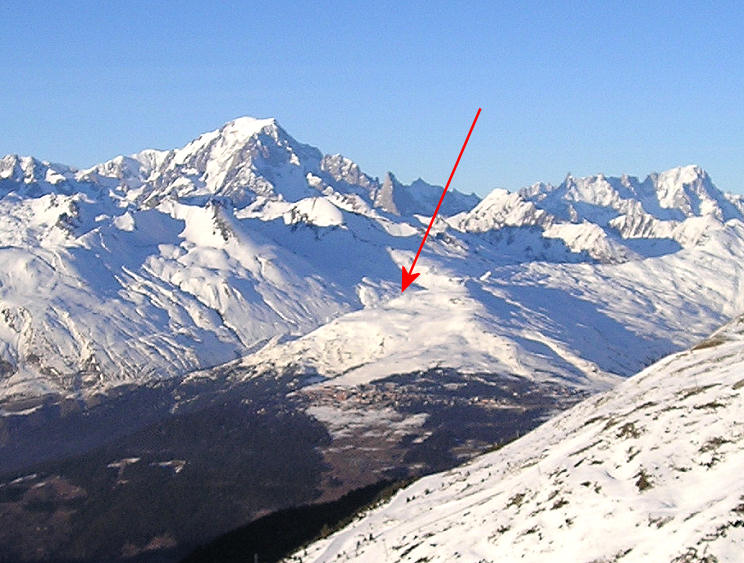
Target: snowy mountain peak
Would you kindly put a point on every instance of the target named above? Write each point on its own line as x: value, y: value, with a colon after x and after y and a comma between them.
x: 677, y: 193
x: 232, y: 136
x: 690, y: 191
x: 612, y: 218
x: 27, y: 169
x: 502, y: 208
x: 247, y: 126
x: 420, y: 197
x: 244, y: 159
x: 343, y: 169
x: 686, y: 174
x: 385, y: 197
x: 30, y: 177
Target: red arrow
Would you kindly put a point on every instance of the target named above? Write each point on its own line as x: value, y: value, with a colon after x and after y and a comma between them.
x: 406, y: 276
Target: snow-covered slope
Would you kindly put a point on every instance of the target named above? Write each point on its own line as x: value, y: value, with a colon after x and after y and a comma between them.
x: 246, y: 243
x: 595, y: 277
x: 164, y: 262
x: 578, y: 322
x: 650, y: 471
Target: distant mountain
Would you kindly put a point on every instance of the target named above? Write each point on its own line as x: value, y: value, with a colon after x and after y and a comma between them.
x: 649, y: 471
x: 612, y: 219
x: 587, y: 280
x: 247, y: 245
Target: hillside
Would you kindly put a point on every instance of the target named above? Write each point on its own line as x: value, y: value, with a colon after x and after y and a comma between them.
x: 649, y: 471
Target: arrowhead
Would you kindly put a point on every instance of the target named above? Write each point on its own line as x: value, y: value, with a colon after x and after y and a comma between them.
x: 406, y: 279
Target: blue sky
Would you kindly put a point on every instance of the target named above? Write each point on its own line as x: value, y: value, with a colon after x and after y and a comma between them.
x: 564, y: 87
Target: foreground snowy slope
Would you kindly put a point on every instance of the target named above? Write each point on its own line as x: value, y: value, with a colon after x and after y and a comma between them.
x: 246, y: 243
x: 650, y: 471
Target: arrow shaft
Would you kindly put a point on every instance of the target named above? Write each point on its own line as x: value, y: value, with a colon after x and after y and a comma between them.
x: 441, y: 198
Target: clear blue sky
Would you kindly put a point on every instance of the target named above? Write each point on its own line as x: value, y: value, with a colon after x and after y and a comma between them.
x: 580, y: 87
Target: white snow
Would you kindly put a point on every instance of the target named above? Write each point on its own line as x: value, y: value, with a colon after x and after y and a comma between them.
x: 343, y: 422
x: 650, y: 471
x: 318, y: 211
x: 246, y: 242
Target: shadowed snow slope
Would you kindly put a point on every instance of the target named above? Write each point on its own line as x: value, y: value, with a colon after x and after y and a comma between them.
x: 650, y: 471
x: 246, y: 243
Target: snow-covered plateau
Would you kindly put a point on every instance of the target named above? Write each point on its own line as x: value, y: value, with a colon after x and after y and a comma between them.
x: 649, y: 471
x: 248, y: 246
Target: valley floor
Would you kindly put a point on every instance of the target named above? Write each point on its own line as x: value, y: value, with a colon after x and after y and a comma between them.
x: 155, y: 471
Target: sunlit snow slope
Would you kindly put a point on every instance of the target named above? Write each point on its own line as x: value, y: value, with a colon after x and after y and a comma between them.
x: 247, y: 244
x: 650, y: 471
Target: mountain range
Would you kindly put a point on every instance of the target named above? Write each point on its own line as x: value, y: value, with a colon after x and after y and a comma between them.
x: 193, y: 338
x: 246, y: 244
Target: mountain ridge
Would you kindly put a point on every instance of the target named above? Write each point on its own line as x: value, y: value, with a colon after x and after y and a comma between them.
x: 163, y: 263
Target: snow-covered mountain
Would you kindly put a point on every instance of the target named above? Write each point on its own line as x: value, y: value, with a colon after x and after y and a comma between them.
x: 649, y: 471
x: 203, y: 305
x: 247, y: 244
x: 612, y: 219
x: 547, y: 282
x: 167, y: 261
